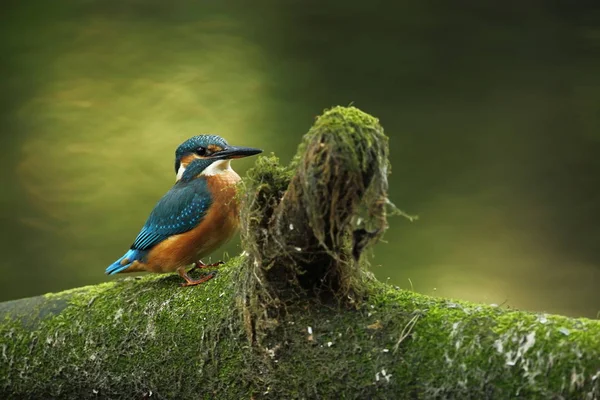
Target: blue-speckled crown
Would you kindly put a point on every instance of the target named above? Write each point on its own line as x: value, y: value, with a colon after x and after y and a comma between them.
x: 190, y: 145
x: 194, y: 142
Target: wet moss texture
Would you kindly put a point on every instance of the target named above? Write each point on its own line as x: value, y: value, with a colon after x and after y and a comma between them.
x: 282, y: 323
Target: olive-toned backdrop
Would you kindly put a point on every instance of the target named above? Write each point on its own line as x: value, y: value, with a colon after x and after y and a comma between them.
x: 491, y: 109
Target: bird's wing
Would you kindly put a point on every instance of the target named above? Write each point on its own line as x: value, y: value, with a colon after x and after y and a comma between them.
x: 180, y: 210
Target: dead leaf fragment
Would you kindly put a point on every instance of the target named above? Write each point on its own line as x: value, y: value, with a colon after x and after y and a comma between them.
x: 375, y: 325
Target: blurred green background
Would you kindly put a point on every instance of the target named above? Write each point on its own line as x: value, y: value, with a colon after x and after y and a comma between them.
x: 492, y: 109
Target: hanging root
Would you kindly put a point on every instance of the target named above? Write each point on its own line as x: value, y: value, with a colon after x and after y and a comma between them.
x: 306, y: 227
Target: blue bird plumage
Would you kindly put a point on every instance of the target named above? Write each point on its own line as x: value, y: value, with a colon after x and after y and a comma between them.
x: 180, y: 210
x: 196, y: 216
x: 131, y: 256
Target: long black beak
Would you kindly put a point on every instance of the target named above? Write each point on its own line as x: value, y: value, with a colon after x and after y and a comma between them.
x: 237, y: 152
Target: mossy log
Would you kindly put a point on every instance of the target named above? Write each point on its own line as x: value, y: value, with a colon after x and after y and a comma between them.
x: 283, y: 323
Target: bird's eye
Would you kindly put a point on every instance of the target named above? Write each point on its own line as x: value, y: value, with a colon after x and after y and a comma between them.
x: 201, y: 151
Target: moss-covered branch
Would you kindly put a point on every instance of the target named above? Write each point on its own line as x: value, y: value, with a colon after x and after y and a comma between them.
x: 283, y: 323
x: 135, y: 337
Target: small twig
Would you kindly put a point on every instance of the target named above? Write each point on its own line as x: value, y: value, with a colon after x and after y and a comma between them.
x: 396, y: 211
x: 406, y: 331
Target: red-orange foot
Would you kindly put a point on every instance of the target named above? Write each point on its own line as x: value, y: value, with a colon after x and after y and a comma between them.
x: 200, y: 265
x: 193, y: 282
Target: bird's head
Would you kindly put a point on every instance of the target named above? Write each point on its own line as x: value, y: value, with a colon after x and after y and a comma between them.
x: 208, y: 154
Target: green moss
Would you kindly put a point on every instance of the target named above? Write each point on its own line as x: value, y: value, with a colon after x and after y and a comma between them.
x: 305, y: 230
x: 448, y: 350
x: 349, y: 124
x: 131, y: 337
x: 117, y: 338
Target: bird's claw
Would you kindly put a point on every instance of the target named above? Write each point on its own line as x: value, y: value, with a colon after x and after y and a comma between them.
x: 193, y: 282
x: 214, y: 265
x: 201, y: 265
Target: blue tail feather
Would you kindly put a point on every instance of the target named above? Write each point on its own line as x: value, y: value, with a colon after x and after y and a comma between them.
x: 120, y: 266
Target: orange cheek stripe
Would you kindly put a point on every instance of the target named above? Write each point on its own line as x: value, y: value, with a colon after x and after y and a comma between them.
x: 185, y: 160
x: 214, y: 148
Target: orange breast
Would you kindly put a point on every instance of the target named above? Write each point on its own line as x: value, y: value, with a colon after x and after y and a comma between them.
x: 218, y: 226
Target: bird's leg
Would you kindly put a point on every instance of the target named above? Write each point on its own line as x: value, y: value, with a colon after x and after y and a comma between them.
x: 200, y: 265
x: 191, y: 281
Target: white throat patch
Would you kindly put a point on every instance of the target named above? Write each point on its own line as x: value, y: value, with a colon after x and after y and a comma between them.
x: 180, y: 172
x: 218, y: 167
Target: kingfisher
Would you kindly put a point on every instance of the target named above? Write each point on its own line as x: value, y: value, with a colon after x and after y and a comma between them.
x: 195, y: 217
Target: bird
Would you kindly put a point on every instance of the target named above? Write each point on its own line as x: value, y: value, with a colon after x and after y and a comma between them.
x: 195, y: 217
